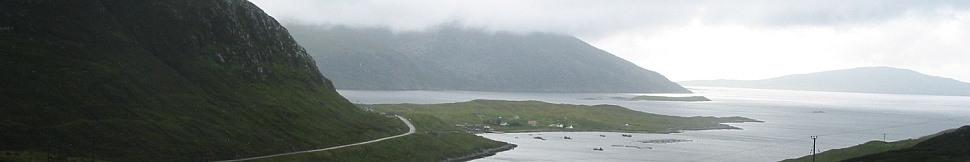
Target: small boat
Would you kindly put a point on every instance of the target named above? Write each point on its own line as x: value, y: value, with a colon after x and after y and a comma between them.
x: 626, y: 135
x: 567, y: 137
x: 598, y: 149
x: 602, y: 135
x: 539, y: 138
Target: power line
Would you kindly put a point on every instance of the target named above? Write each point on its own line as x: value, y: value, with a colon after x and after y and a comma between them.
x: 813, y: 148
x: 830, y: 134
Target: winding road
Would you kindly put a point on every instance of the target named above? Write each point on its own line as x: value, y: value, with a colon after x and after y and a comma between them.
x: 406, y: 121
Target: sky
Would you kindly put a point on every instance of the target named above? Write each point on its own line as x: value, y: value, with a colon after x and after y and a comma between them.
x: 696, y: 40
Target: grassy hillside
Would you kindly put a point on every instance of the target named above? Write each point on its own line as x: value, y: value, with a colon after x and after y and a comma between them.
x: 867, y: 148
x: 165, y: 80
x: 434, y: 141
x: 949, y: 145
x: 517, y: 114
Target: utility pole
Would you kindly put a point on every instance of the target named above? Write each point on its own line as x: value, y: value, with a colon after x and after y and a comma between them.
x: 884, y: 137
x: 813, y: 147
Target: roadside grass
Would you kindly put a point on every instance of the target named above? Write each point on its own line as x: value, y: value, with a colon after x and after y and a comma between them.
x: 434, y: 141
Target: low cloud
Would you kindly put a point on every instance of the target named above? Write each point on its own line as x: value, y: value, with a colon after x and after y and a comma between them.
x: 751, y: 39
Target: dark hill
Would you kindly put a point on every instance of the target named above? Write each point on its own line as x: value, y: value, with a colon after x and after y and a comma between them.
x: 949, y: 146
x: 862, y: 80
x: 164, y: 80
x: 453, y: 58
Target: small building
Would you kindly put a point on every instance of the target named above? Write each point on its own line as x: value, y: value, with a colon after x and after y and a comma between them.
x: 503, y: 123
x: 533, y: 123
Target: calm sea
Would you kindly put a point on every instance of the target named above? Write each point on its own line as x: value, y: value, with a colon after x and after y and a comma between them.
x: 790, y: 118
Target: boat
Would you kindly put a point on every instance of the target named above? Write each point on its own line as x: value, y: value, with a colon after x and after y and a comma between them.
x: 602, y: 135
x: 539, y: 138
x: 598, y: 149
x: 626, y: 135
x: 567, y: 137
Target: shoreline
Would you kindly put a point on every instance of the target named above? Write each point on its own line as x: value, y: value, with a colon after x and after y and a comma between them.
x: 723, y: 126
x: 482, y: 154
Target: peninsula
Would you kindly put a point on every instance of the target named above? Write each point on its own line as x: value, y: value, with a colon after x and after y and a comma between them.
x: 536, y: 116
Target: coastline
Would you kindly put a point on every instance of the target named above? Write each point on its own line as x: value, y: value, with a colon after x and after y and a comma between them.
x: 722, y: 126
x: 482, y: 153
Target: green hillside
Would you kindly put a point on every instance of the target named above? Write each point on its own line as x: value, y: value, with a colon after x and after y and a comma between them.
x: 949, y: 145
x: 164, y: 80
x: 434, y: 141
x: 867, y: 148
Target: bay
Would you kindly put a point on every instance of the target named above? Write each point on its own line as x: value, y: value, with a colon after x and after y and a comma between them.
x: 790, y: 118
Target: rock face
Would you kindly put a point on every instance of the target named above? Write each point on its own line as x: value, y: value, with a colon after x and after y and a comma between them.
x: 452, y: 58
x: 164, y: 80
x: 862, y: 80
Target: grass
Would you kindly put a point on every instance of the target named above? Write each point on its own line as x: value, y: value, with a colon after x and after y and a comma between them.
x: 867, y: 148
x: 949, y: 145
x: 434, y: 141
x: 517, y: 114
x: 175, y: 80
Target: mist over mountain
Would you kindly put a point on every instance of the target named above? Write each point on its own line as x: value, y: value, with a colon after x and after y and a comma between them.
x: 164, y: 80
x: 454, y: 58
x: 863, y: 80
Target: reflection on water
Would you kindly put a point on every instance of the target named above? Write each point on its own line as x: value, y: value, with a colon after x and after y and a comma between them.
x: 791, y: 117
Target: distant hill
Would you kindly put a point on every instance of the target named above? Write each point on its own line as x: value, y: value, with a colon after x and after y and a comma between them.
x: 163, y: 80
x: 452, y: 58
x: 862, y: 80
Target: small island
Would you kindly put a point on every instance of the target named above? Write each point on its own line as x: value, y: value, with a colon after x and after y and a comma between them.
x: 537, y: 116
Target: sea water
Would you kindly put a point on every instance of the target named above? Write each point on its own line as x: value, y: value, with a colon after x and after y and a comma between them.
x: 790, y: 119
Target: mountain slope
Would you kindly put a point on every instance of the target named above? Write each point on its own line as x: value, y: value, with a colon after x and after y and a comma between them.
x: 164, y: 80
x: 451, y: 58
x: 863, y: 80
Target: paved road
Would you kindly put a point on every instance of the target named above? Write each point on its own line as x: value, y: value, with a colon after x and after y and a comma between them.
x: 410, y: 126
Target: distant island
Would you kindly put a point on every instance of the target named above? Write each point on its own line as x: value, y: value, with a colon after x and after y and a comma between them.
x: 537, y: 116
x: 457, y: 58
x: 653, y: 98
x: 861, y: 80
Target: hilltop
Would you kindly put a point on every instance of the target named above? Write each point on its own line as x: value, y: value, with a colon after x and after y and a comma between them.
x: 455, y: 58
x: 862, y: 80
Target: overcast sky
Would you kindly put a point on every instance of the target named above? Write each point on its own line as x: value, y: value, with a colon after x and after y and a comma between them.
x: 691, y: 40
